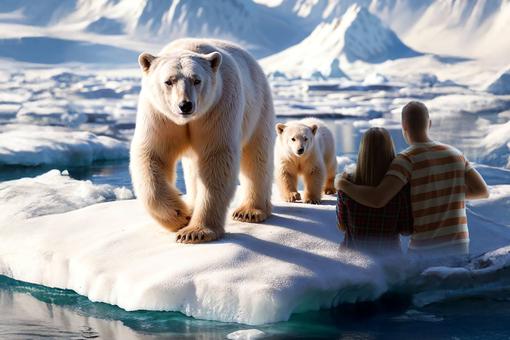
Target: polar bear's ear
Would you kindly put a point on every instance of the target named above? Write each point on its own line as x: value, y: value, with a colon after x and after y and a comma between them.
x: 145, y: 59
x: 215, y: 59
x: 314, y: 129
x: 279, y: 128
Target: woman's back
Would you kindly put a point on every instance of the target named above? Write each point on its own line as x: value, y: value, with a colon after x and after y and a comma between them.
x: 367, y: 227
x: 375, y: 228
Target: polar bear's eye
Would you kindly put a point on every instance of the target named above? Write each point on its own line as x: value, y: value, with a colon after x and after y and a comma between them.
x: 306, y: 139
x: 197, y: 81
x: 293, y: 139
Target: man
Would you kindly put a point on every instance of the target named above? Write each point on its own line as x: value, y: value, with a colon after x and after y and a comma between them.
x: 441, y: 180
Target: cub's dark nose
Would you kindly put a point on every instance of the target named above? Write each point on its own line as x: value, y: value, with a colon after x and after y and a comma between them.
x: 186, y: 107
x: 300, y: 151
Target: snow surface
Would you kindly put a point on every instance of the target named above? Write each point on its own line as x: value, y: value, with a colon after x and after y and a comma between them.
x: 51, y: 193
x: 36, y: 145
x: 259, y: 273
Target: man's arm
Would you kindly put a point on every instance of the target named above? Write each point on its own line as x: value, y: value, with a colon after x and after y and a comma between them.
x: 374, y: 197
x: 476, y: 188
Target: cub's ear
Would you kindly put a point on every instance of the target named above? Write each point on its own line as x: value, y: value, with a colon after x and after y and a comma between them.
x: 215, y: 59
x: 279, y: 128
x: 314, y: 129
x: 145, y: 60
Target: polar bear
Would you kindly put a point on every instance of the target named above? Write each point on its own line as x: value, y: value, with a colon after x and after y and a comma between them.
x: 209, y: 102
x: 306, y: 148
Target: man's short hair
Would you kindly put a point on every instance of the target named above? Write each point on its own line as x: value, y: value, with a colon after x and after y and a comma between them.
x: 416, y: 116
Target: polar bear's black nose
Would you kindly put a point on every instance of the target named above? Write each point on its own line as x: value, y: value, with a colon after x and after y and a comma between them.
x: 300, y: 151
x: 186, y: 107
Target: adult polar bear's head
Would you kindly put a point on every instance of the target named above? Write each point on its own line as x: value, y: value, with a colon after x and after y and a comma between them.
x: 182, y: 85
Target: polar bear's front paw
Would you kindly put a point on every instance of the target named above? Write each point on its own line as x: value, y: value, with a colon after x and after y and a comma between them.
x: 309, y: 199
x: 292, y: 197
x: 330, y: 191
x: 197, y: 234
x: 252, y: 215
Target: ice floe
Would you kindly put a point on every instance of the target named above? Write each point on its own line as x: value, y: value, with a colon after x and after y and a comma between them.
x: 259, y: 273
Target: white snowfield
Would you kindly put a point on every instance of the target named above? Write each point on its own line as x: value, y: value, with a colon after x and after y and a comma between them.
x: 31, y: 145
x: 259, y: 273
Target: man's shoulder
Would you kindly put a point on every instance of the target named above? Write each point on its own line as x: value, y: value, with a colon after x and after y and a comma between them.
x: 415, y: 150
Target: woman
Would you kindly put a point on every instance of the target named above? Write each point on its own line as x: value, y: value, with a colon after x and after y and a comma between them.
x: 369, y: 228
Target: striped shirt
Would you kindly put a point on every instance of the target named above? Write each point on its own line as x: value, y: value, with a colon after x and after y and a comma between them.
x: 436, y: 173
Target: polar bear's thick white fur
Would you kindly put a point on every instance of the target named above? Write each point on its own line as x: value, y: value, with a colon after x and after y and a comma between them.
x: 305, y: 148
x: 209, y: 102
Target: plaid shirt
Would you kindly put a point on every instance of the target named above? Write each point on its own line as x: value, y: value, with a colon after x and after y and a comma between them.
x: 377, y: 229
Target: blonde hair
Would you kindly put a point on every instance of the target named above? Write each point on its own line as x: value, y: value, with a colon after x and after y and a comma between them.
x: 376, y: 152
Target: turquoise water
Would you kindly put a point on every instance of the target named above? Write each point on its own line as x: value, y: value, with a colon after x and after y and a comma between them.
x: 32, y: 312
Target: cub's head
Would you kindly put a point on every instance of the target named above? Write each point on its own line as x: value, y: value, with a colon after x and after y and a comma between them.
x: 181, y: 85
x: 297, y: 138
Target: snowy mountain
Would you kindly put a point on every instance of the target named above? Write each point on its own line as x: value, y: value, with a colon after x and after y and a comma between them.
x: 257, y: 27
x: 468, y: 28
x: 357, y: 36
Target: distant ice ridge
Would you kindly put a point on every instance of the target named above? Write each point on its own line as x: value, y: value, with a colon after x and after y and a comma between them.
x: 357, y: 36
x: 259, y: 273
x: 52, y: 193
x: 30, y: 145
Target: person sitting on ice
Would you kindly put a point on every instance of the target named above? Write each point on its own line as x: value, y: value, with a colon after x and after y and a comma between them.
x: 374, y: 229
x: 440, y: 179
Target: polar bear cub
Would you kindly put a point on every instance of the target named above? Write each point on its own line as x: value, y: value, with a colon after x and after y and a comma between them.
x: 307, y: 148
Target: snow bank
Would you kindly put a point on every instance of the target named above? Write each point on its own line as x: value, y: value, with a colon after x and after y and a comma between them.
x: 51, y: 193
x: 259, y: 273
x: 36, y: 145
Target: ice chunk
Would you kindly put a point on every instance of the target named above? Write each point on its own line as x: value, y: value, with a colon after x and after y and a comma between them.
x: 496, y: 146
x: 35, y: 145
x: 500, y: 85
x: 51, y: 193
x: 246, y: 334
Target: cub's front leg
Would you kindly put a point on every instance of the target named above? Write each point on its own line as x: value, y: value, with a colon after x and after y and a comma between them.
x: 314, y: 178
x: 287, y: 181
x: 153, y: 181
x: 218, y: 169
